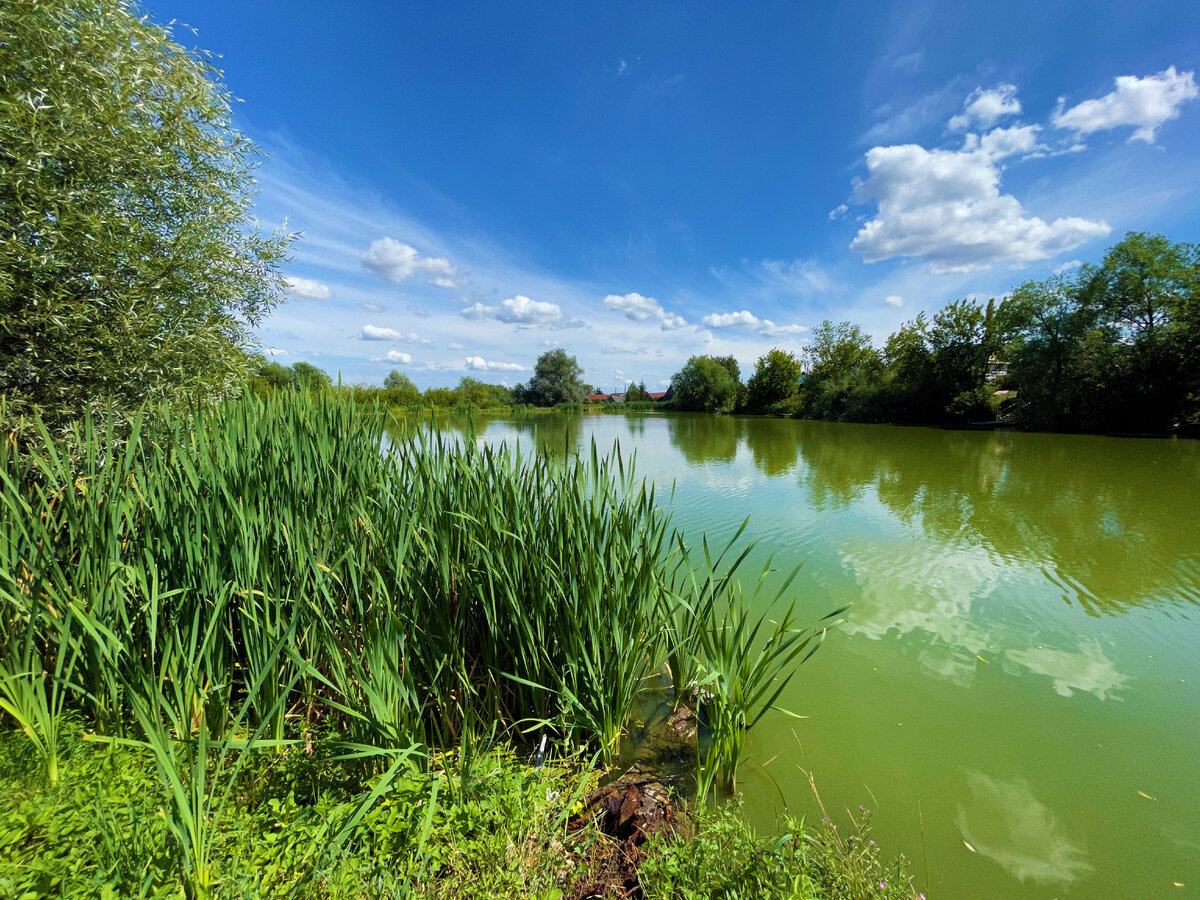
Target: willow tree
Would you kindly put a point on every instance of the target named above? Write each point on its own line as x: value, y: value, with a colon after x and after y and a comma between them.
x: 130, y: 267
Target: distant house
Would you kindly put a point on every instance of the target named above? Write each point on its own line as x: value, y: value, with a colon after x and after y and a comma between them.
x: 996, y: 368
x: 655, y: 396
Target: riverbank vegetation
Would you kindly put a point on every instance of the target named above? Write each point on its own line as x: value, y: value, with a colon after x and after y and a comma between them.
x: 264, y: 634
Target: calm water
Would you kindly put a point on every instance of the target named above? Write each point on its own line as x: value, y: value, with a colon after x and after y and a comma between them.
x: 1022, y: 660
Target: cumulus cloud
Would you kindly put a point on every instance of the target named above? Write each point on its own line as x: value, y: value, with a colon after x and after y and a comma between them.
x: 638, y: 309
x: 371, y: 307
x: 983, y: 109
x: 376, y: 333
x: 396, y: 262
x: 1068, y: 266
x: 308, y: 287
x: 894, y: 300
x: 479, y: 364
x: 946, y: 206
x: 747, y: 321
x: 455, y: 345
x: 518, y: 310
x: 394, y: 356
x: 838, y: 211
x: 1144, y: 103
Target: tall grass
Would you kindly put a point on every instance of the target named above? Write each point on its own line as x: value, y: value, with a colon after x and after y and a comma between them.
x: 213, y: 581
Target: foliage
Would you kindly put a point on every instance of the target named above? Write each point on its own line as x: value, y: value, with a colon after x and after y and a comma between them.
x: 776, y: 380
x: 129, y: 265
x: 842, y: 368
x: 725, y: 858
x: 706, y: 384
x: 637, y: 393
x: 556, y: 379
x: 481, y: 395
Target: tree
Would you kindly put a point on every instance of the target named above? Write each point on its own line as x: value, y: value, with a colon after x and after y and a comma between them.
x: 637, y: 393
x: 307, y: 377
x: 399, y: 389
x: 485, y: 396
x: 129, y: 266
x: 776, y: 378
x: 705, y: 383
x: 556, y: 379
x: 267, y: 376
x: 843, y: 370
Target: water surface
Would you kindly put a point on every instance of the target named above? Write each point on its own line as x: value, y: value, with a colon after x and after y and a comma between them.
x: 1019, y: 672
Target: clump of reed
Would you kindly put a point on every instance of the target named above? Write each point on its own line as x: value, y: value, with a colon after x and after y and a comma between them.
x: 208, y: 583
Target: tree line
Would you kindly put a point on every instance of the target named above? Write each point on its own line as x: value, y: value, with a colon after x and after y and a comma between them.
x: 1109, y: 347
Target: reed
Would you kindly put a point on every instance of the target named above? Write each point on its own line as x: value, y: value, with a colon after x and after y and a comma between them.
x: 270, y: 566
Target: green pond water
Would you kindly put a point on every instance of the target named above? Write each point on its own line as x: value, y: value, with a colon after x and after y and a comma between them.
x: 1017, y: 690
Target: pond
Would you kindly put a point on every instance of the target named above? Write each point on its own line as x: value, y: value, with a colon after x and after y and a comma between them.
x: 1017, y: 690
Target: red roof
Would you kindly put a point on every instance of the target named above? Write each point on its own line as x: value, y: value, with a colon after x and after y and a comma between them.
x: 597, y: 396
x: 656, y: 395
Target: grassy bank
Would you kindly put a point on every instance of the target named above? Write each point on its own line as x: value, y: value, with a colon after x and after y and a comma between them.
x: 298, y: 826
x: 215, y: 599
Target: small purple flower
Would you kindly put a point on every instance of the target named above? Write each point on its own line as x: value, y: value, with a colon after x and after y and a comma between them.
x: 883, y: 884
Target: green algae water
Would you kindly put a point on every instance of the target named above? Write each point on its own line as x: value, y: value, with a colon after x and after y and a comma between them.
x: 1017, y: 690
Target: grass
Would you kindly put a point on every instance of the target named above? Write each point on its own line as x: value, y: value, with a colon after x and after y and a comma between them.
x: 212, y: 592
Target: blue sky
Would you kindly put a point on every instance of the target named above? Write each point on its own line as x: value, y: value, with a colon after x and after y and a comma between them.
x: 638, y: 183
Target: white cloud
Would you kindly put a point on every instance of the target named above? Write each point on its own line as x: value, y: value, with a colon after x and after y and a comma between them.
x: 946, y: 207
x: 275, y: 351
x: 983, y: 109
x: 894, y: 300
x: 747, y: 321
x: 308, y: 287
x: 371, y: 307
x: 394, y: 356
x: 638, y: 309
x: 838, y: 211
x: 1145, y: 103
x: 455, y: 345
x: 376, y: 333
x: 1068, y: 266
x: 419, y: 311
x: 518, y: 310
x: 479, y: 364
x: 394, y: 261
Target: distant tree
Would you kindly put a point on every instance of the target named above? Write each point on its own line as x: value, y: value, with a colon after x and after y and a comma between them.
x: 307, y: 377
x: 705, y: 383
x: 266, y: 376
x: 556, y: 379
x: 1147, y: 295
x: 776, y: 378
x: 1044, y: 356
x: 399, y: 389
x: 130, y: 266
x: 636, y: 392
x: 485, y: 396
x: 731, y: 366
x: 439, y: 398
x: 844, y: 371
